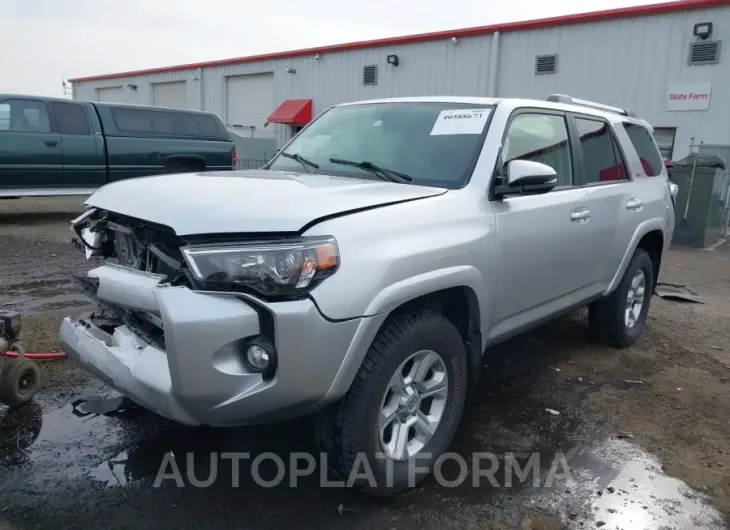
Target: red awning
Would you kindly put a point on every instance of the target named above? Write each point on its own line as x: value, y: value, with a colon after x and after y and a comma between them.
x: 293, y: 112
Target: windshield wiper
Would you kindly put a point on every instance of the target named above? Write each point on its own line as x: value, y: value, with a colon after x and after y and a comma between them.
x: 303, y: 161
x: 383, y: 173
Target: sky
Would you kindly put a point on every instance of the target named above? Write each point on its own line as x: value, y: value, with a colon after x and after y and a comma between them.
x: 43, y: 42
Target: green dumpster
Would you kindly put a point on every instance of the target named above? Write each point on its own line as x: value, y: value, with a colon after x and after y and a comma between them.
x: 698, y: 208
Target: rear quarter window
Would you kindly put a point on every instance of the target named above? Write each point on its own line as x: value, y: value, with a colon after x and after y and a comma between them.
x: 646, y: 148
x: 154, y: 122
x: 209, y: 126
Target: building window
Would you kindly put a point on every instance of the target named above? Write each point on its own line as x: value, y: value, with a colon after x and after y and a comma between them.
x: 546, y: 64
x: 704, y: 52
x: 664, y: 137
x: 370, y: 75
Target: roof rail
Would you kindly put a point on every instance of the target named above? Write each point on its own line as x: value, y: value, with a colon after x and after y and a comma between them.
x: 562, y: 98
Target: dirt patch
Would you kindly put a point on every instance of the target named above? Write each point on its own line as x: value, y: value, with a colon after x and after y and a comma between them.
x: 36, y: 268
x: 671, y: 391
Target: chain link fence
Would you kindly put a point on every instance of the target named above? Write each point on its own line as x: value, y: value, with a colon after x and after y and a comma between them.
x: 250, y: 163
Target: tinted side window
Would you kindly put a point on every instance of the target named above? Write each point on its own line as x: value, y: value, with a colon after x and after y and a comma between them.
x: 71, y: 118
x: 20, y: 115
x: 601, y: 159
x: 208, y: 125
x: 4, y: 116
x: 645, y: 147
x: 540, y: 138
x: 132, y: 120
x: 155, y: 122
x: 174, y: 123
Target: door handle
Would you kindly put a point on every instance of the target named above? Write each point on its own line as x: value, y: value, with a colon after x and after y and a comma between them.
x: 51, y: 143
x: 634, y: 204
x: 580, y: 215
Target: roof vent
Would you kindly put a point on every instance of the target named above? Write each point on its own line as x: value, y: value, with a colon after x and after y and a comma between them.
x: 546, y: 64
x: 704, y: 52
x: 370, y: 75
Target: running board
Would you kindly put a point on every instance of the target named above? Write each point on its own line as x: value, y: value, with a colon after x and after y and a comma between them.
x: 44, y: 192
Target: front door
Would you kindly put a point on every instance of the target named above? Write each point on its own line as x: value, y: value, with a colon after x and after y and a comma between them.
x: 543, y: 264
x: 31, y: 155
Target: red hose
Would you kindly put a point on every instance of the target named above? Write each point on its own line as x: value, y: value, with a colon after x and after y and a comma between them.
x: 35, y: 356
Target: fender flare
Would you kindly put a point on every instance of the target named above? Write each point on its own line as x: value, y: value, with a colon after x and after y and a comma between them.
x: 406, y: 290
x: 396, y: 295
x: 184, y: 158
x: 644, y: 228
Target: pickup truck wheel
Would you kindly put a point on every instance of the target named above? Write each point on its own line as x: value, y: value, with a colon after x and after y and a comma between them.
x: 184, y: 166
x: 619, y: 319
x: 403, y: 408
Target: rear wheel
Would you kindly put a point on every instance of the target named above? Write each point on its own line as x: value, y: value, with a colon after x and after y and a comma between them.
x: 403, y: 408
x: 183, y: 166
x: 619, y: 319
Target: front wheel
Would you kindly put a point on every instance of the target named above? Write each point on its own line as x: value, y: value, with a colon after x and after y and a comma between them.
x: 619, y: 319
x: 403, y: 408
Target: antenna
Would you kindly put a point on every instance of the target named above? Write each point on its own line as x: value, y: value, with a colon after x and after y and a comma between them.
x: 67, y: 87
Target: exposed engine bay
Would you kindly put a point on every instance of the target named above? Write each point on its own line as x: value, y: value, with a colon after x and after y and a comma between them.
x: 131, y: 243
x: 134, y: 244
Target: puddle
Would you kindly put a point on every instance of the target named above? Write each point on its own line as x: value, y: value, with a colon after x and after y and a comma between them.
x: 620, y: 485
x: 582, y: 474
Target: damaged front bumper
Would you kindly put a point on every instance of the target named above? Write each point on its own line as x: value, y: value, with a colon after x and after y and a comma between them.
x: 192, y: 369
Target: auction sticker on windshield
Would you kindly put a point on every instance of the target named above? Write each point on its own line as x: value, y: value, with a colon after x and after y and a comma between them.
x: 460, y: 121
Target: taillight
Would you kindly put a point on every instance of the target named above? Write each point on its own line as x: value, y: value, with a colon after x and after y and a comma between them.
x: 234, y: 158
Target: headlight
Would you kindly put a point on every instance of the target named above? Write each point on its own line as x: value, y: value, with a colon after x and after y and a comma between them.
x: 272, y: 268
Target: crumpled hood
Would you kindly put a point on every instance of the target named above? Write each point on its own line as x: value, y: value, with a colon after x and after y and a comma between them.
x: 247, y: 201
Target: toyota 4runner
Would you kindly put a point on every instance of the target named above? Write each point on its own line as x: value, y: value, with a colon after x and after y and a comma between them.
x: 361, y: 274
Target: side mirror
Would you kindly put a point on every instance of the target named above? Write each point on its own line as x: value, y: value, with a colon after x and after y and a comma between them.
x: 527, y: 177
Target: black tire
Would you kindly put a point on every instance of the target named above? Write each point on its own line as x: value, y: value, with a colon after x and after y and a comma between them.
x: 183, y: 166
x: 19, y: 382
x: 350, y: 427
x: 606, y: 318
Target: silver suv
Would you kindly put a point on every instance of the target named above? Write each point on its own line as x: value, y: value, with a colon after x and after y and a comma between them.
x: 361, y: 274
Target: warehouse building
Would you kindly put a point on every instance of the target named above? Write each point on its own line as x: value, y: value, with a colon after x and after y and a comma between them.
x: 664, y: 61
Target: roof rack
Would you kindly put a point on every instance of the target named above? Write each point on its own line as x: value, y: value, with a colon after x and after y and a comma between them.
x: 562, y: 98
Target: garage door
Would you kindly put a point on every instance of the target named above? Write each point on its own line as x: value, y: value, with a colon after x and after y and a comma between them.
x: 114, y: 94
x: 250, y: 101
x: 172, y: 95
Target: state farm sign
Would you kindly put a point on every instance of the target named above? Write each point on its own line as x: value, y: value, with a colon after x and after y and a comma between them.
x: 689, y: 96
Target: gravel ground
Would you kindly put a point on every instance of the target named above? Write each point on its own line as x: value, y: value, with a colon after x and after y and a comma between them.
x: 665, y: 440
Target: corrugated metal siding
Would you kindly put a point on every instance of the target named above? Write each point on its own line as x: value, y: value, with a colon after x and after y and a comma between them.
x: 142, y: 95
x: 628, y: 63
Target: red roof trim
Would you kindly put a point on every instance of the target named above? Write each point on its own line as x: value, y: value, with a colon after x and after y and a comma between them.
x: 566, y: 20
x: 292, y: 112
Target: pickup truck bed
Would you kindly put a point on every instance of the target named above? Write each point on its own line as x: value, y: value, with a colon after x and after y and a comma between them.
x: 52, y: 147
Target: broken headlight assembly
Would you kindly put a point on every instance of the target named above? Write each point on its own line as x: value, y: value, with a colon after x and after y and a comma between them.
x: 288, y: 268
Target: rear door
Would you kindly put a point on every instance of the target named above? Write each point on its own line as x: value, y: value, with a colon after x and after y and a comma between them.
x: 608, y: 187
x: 30, y: 147
x: 83, y: 151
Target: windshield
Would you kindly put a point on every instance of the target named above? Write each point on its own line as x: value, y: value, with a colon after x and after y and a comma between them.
x: 435, y: 144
